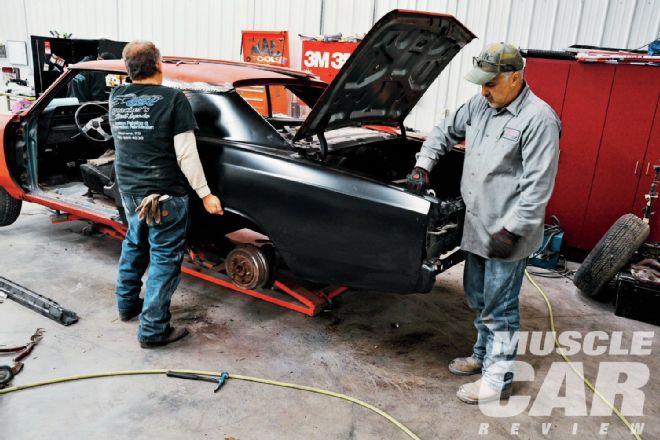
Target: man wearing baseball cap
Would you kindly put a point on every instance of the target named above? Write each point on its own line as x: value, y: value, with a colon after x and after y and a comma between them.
x: 511, y: 150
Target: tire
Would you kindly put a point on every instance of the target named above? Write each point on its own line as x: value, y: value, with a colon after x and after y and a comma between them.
x: 611, y: 253
x: 9, y: 208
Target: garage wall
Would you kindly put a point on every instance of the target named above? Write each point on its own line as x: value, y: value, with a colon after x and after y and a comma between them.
x: 212, y: 28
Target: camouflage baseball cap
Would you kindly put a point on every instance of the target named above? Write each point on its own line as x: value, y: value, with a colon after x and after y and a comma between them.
x: 493, y: 60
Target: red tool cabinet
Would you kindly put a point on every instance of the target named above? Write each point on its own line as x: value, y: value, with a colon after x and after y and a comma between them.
x: 610, y: 141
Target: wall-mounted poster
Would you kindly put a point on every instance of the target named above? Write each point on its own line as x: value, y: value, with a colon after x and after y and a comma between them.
x: 17, y: 52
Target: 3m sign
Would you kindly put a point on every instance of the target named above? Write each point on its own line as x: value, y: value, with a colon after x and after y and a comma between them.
x: 325, y: 59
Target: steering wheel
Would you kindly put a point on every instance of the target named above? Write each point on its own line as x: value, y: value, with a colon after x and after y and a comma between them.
x: 96, y: 129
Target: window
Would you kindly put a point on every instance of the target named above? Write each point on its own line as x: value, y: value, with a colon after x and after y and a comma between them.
x: 282, y: 101
x: 91, y: 85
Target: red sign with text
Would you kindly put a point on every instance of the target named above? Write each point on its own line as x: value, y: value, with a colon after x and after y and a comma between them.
x: 325, y: 59
x: 266, y: 47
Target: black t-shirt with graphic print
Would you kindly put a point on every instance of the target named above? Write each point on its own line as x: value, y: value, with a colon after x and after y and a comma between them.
x: 144, y: 119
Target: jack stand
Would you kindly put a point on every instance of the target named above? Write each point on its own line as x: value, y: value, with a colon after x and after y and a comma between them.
x: 61, y: 217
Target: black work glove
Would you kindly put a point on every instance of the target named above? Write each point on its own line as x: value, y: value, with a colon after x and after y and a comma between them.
x: 502, y: 243
x: 418, y: 180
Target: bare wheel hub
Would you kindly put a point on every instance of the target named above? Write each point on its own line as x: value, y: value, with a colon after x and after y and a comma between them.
x: 248, y: 267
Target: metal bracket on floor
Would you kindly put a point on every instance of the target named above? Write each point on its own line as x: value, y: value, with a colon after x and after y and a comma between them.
x: 285, y: 291
x: 39, y: 303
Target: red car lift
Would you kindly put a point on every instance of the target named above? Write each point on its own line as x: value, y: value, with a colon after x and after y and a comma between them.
x: 285, y: 291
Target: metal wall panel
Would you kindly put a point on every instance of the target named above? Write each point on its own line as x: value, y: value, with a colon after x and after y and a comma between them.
x: 538, y: 24
x: 520, y: 22
x: 347, y: 16
x: 618, y: 23
x: 12, y: 20
x: 212, y: 28
x: 645, y: 24
x: 566, y: 24
x: 295, y: 16
x: 88, y: 19
x: 544, y: 19
x: 592, y: 23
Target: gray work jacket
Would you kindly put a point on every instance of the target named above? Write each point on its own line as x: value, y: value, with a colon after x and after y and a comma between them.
x: 511, y: 157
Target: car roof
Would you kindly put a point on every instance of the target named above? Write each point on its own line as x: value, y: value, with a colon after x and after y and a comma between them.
x: 216, y: 72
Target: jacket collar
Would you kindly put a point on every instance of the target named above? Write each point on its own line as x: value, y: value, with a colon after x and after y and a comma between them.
x: 514, y: 107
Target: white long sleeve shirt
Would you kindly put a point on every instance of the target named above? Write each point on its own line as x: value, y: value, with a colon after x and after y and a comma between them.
x: 187, y: 157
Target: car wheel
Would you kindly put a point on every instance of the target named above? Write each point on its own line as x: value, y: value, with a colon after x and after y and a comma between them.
x: 611, y: 253
x: 9, y: 208
x: 248, y: 266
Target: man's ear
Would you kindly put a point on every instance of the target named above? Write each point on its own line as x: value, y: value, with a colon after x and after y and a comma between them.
x: 517, y: 77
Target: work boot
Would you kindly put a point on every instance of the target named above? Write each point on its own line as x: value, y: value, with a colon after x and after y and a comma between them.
x: 172, y: 335
x: 466, y: 366
x: 478, y: 392
x: 131, y: 313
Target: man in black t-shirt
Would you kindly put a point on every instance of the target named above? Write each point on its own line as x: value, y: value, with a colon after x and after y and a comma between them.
x: 156, y: 160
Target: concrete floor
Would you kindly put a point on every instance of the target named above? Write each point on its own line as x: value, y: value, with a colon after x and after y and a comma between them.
x: 386, y: 349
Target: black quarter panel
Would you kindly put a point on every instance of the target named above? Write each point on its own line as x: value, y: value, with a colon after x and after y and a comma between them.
x: 328, y: 226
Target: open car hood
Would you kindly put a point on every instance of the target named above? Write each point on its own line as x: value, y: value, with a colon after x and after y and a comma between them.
x: 389, y: 71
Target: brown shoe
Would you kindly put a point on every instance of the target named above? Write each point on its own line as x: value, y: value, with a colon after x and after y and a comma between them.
x: 466, y: 366
x: 479, y: 392
x: 173, y: 334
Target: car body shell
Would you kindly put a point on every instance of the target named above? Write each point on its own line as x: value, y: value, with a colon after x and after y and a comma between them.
x: 328, y: 225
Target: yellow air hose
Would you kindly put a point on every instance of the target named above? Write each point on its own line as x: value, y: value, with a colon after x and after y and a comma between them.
x: 381, y: 413
x: 560, y: 350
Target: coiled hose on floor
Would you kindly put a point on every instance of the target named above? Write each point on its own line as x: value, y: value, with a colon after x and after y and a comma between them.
x: 215, y: 374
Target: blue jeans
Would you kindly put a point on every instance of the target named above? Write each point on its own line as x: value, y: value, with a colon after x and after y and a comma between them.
x: 492, y: 288
x: 162, y: 245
